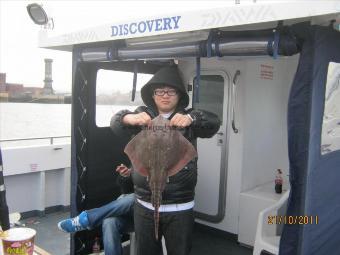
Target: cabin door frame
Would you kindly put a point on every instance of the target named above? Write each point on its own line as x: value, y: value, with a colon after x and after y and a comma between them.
x: 214, y: 95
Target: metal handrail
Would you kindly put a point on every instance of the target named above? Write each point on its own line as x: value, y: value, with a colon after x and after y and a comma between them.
x: 51, y: 138
x: 234, y: 102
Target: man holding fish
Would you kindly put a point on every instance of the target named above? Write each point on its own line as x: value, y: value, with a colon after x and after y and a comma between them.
x: 164, y: 161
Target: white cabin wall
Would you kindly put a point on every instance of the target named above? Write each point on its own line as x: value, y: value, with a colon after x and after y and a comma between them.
x: 37, y: 177
x: 260, y: 146
x: 265, y: 120
x: 23, y: 192
x: 57, y: 187
x: 234, y: 153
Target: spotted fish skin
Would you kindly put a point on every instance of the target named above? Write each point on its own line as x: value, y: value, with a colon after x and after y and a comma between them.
x: 161, y: 141
x: 157, y: 152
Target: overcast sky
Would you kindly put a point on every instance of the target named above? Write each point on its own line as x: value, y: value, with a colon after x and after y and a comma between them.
x: 20, y: 56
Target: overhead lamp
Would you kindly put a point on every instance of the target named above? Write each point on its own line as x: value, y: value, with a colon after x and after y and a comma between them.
x: 37, y: 14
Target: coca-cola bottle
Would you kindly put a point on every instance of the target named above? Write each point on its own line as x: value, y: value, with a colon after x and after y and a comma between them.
x: 96, y: 246
x: 278, y: 181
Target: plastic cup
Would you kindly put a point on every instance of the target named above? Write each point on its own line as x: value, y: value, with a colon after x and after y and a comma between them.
x: 18, y: 241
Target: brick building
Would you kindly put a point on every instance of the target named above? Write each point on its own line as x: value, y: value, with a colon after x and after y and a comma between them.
x: 16, y: 91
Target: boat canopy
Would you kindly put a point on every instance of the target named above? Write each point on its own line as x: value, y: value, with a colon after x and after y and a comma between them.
x: 195, y: 26
x: 282, y: 28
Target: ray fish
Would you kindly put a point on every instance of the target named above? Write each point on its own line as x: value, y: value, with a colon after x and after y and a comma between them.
x: 157, y: 152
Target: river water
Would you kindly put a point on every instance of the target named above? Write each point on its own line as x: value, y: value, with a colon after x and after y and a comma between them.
x: 31, y: 120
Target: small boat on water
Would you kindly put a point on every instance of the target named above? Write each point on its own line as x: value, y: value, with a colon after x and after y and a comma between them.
x: 270, y: 71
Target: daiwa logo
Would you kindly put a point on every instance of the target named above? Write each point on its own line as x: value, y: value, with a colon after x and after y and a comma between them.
x: 146, y: 26
x: 80, y: 37
x: 236, y: 16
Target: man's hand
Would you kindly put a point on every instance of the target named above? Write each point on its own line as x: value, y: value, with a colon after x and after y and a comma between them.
x: 123, y: 170
x: 180, y: 120
x: 139, y: 119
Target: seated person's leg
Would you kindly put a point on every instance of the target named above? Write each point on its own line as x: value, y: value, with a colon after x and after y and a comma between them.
x: 119, y: 207
x: 113, y: 228
x: 75, y: 224
x: 94, y: 217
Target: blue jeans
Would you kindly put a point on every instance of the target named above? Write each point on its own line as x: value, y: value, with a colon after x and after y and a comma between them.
x: 116, y: 218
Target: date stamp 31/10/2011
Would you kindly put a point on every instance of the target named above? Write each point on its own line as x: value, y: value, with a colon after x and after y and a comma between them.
x: 293, y: 219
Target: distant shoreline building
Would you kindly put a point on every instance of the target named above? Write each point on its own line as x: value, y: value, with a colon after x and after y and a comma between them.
x: 12, y: 92
x: 48, y: 90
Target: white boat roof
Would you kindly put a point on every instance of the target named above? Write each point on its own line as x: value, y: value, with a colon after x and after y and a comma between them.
x: 244, y: 15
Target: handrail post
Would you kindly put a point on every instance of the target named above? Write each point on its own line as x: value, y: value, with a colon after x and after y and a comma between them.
x: 234, y: 101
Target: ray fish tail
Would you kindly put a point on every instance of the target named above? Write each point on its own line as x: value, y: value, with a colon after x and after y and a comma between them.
x: 156, y: 199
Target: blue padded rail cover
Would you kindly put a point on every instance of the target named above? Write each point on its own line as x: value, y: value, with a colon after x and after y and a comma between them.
x: 314, y: 178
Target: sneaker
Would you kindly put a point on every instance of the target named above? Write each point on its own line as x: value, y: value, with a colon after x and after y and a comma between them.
x: 71, y: 225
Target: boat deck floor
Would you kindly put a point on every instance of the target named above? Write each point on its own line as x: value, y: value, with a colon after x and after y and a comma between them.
x: 56, y: 242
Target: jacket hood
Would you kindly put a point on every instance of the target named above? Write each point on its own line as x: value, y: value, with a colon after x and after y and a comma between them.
x: 167, y: 76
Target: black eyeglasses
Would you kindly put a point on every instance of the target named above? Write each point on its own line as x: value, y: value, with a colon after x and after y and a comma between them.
x: 162, y: 92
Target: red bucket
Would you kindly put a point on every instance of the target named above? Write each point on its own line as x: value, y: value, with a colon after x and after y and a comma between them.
x: 18, y: 241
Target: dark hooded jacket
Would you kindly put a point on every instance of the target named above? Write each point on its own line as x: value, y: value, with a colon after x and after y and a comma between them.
x: 180, y: 187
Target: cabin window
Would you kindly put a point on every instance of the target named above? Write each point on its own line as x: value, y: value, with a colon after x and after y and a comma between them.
x: 330, y: 136
x: 211, y: 93
x: 114, y: 93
